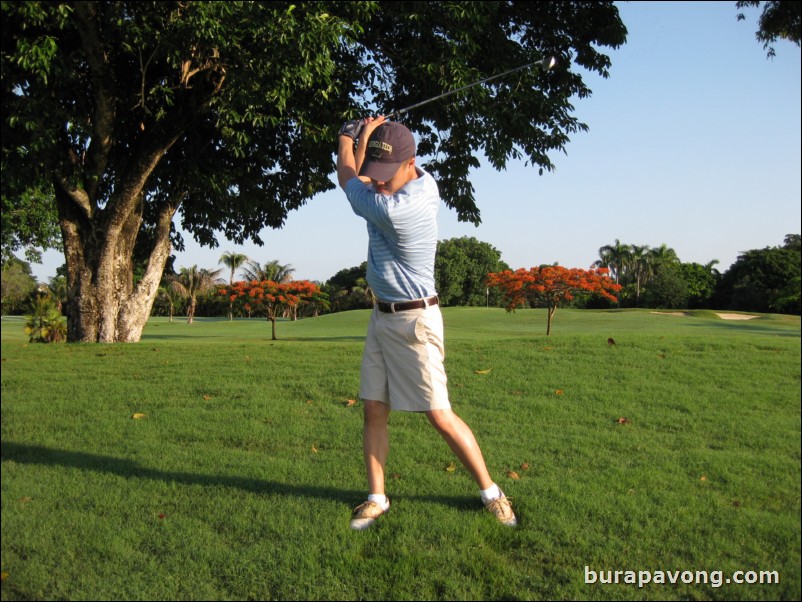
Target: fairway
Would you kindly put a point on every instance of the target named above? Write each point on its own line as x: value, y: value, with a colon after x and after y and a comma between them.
x: 210, y: 462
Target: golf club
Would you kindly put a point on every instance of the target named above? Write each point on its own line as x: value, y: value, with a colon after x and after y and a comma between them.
x: 544, y: 64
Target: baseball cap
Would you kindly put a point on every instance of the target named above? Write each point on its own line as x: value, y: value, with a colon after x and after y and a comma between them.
x: 389, y: 146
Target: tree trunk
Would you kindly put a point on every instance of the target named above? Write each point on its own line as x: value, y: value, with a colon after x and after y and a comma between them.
x: 103, y: 305
x: 551, y: 309
x: 191, y: 310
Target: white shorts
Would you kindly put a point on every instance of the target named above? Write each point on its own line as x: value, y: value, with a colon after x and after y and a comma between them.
x: 402, y: 364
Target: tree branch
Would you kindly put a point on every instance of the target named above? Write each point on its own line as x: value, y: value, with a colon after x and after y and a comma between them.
x: 98, y: 153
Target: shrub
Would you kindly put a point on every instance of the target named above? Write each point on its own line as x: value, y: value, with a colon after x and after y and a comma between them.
x: 45, y: 324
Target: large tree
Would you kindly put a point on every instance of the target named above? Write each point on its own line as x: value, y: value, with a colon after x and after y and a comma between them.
x: 764, y: 280
x: 232, y: 261
x: 461, y: 268
x: 549, y: 286
x: 225, y: 113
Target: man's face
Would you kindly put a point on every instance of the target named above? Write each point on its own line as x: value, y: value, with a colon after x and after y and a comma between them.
x: 404, y: 174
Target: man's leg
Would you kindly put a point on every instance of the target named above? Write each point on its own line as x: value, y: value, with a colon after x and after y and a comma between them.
x: 375, y: 443
x: 460, y: 439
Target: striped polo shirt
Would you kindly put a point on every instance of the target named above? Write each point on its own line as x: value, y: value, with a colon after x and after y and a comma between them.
x: 402, y: 237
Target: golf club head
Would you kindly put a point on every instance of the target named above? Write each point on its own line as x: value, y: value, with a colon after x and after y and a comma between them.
x: 548, y: 63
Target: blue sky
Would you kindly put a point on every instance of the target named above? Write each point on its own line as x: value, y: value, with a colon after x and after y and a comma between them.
x: 694, y: 142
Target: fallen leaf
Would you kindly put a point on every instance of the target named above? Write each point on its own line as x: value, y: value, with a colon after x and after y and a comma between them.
x: 396, y: 475
x: 610, y: 341
x: 162, y: 515
x: 309, y: 402
x: 482, y: 371
x: 524, y: 466
x: 207, y: 397
x: 703, y: 478
x: 736, y: 504
x: 451, y: 467
x: 350, y: 402
x: 512, y: 474
x: 3, y: 576
x: 559, y: 392
x: 548, y: 348
x: 624, y: 420
x: 25, y: 499
x: 314, y: 449
x: 138, y: 416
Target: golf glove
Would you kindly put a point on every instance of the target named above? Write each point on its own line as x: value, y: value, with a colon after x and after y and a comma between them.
x: 352, y: 129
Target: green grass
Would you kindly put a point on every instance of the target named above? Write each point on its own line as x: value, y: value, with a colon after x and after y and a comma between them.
x: 239, y: 481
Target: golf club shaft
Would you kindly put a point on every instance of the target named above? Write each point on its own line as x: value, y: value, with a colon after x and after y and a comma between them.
x: 545, y: 64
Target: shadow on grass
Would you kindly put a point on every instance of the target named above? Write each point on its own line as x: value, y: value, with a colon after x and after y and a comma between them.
x: 37, y: 454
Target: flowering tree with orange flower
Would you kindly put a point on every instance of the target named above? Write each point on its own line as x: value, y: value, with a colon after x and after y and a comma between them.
x: 551, y: 285
x: 273, y: 298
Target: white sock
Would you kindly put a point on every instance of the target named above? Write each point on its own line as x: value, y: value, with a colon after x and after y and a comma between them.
x: 491, y: 493
x: 379, y: 499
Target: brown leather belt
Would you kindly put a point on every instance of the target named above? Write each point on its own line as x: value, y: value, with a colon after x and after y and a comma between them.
x: 391, y: 308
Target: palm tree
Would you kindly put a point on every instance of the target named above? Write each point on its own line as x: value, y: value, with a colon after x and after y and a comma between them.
x: 663, y: 255
x: 709, y: 267
x: 191, y: 281
x: 640, y: 267
x: 272, y: 270
x: 615, y: 257
x: 171, y: 295
x: 58, y: 290
x: 232, y: 261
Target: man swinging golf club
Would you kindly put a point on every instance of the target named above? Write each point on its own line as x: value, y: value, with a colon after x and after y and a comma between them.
x: 402, y: 363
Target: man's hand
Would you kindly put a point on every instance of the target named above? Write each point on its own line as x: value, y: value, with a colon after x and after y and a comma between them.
x: 349, y: 161
x: 352, y: 129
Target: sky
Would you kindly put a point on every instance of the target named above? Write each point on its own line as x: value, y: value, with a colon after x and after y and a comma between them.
x: 693, y: 142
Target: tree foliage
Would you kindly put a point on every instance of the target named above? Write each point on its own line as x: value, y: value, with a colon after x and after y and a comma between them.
x: 30, y: 224
x: 634, y: 267
x: 780, y: 20
x: 667, y: 288
x: 764, y: 280
x: 190, y: 283
x: 272, y: 299
x: 348, y: 289
x: 271, y: 270
x: 460, y: 270
x: 700, y: 283
x: 17, y: 284
x: 549, y: 286
x: 225, y: 114
x: 45, y: 324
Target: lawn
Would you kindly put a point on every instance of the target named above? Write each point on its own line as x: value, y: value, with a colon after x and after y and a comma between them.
x: 208, y: 462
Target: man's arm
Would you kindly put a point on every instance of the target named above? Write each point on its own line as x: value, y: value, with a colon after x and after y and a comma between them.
x: 346, y: 162
x: 349, y: 162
